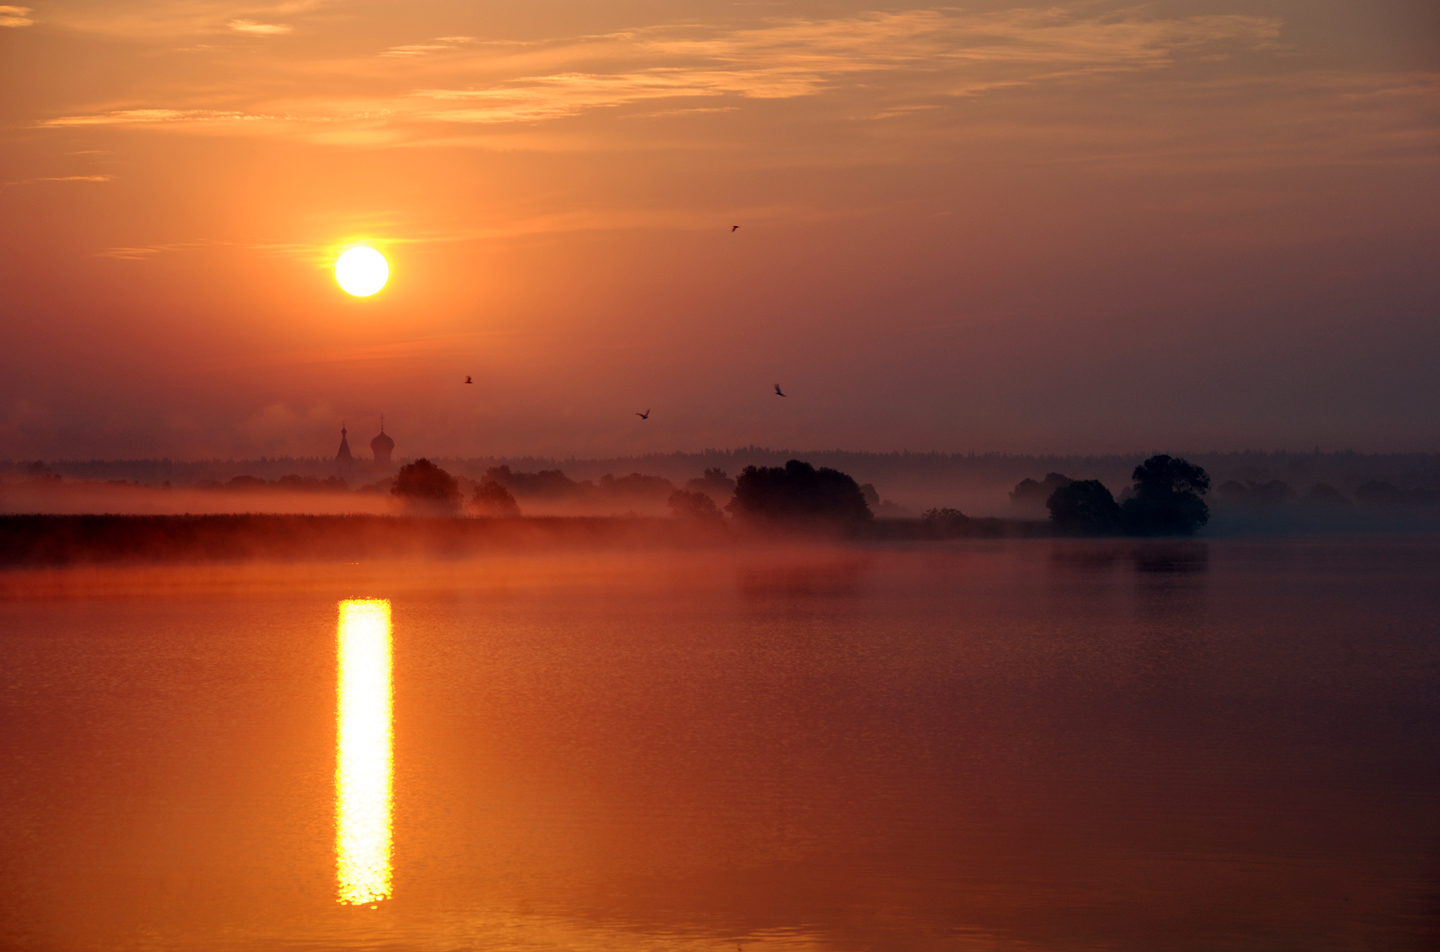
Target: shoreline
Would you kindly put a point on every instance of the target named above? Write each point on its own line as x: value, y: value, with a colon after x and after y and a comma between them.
x: 35, y: 540
x: 55, y: 541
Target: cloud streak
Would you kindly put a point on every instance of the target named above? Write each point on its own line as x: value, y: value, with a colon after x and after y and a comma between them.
x: 909, y: 55
x: 931, y: 52
x: 439, y: 45
x: 258, y: 29
x: 65, y: 178
x: 15, y: 17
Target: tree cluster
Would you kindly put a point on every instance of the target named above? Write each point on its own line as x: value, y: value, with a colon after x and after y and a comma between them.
x: 424, y: 485
x: 798, y: 494
x: 1164, y: 500
x: 1029, y: 497
x: 687, y: 504
x: 492, y: 499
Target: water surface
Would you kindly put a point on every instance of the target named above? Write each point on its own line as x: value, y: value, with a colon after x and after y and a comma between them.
x: 1034, y: 745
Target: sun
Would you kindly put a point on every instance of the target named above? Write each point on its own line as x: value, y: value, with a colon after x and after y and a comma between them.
x: 362, y: 271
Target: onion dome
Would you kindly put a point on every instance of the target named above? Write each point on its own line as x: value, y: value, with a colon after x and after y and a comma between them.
x: 382, y: 446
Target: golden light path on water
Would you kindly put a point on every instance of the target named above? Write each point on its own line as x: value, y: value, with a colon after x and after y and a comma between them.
x: 364, y: 760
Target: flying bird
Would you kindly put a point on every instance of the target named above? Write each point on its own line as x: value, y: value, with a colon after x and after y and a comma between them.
x: 644, y: 416
x: 778, y: 391
x: 468, y: 380
x: 732, y: 228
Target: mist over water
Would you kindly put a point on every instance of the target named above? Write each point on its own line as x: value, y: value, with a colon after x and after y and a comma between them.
x: 983, y: 745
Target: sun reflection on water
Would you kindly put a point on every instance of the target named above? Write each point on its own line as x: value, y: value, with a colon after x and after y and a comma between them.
x: 363, y: 763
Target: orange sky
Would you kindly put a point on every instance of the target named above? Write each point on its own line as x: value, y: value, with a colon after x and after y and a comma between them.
x: 1072, y: 226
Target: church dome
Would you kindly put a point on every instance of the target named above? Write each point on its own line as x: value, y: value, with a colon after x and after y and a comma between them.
x: 382, y: 446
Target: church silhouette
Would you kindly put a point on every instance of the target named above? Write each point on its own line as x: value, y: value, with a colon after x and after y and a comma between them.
x: 381, y: 448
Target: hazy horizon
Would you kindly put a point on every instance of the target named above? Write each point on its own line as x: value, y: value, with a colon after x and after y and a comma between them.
x: 979, y: 485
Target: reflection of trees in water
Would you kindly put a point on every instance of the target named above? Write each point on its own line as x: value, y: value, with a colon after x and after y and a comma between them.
x: 1171, y: 557
x: 1084, y: 557
x: 1171, y: 589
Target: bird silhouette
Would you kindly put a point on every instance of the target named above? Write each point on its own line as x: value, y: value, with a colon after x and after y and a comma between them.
x: 468, y: 380
x: 778, y: 391
x: 644, y: 416
x: 732, y: 228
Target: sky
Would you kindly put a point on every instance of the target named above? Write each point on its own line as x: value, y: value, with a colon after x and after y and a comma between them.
x: 1063, y: 227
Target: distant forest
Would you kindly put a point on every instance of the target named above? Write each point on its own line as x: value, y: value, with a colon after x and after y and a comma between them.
x: 978, y: 483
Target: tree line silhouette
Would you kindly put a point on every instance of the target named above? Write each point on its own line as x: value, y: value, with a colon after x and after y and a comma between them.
x: 1165, y: 498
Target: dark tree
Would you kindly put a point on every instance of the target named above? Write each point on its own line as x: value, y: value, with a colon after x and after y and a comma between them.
x: 1162, y: 474
x: 1084, y: 507
x: 492, y: 499
x: 881, y: 507
x: 798, y: 494
x: 1167, y: 498
x: 685, y: 504
x: 424, y: 483
x: 1030, y: 497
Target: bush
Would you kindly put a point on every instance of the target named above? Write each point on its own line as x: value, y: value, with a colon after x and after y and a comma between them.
x: 946, y: 523
x: 492, y: 499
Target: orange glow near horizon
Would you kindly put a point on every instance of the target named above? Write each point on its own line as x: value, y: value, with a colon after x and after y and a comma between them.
x: 364, y: 767
x: 902, y: 212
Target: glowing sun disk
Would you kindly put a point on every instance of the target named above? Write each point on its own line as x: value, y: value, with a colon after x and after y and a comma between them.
x: 362, y: 271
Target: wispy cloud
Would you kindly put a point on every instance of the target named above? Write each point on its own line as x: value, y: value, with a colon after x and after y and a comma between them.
x: 15, y: 17
x: 120, y: 117
x: 438, y: 45
x: 65, y: 178
x: 150, y: 251
x: 314, y: 253
x: 258, y: 29
x: 910, y: 55
x: 933, y: 52
x: 920, y: 72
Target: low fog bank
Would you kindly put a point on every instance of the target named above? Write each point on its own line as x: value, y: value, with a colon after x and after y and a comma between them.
x: 67, y: 497
x: 1252, y: 492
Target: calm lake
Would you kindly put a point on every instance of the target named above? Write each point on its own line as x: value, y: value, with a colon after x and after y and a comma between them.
x: 1031, y: 745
